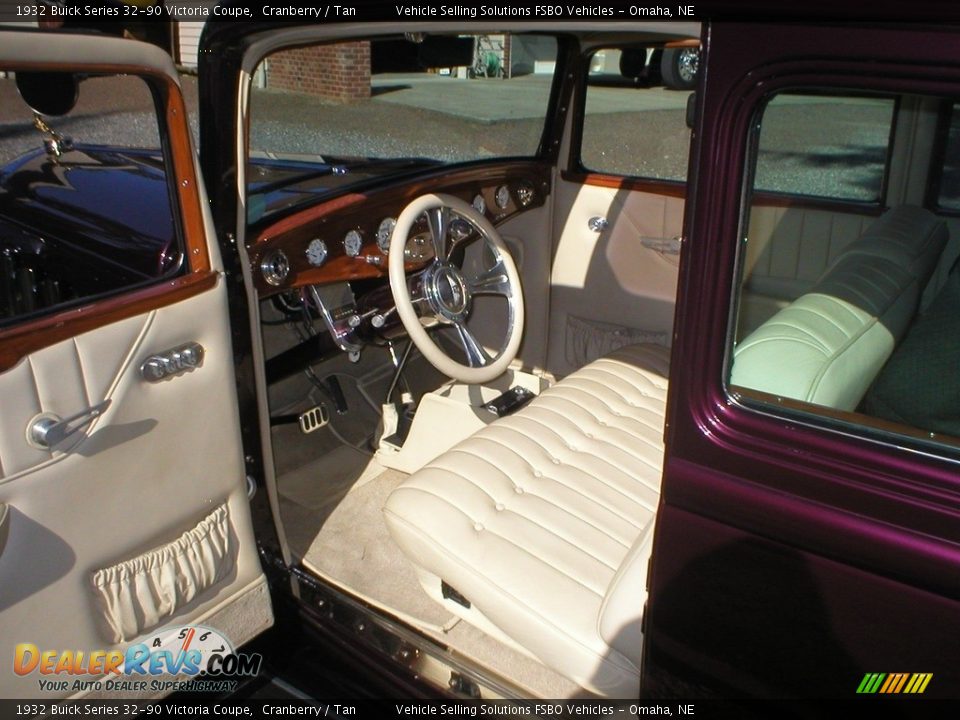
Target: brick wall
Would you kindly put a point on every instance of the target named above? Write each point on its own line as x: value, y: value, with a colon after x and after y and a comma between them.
x: 339, y: 72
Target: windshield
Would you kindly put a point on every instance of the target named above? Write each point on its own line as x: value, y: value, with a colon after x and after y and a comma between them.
x: 331, y: 116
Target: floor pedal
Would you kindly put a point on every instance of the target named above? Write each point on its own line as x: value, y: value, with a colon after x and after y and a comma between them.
x: 314, y: 419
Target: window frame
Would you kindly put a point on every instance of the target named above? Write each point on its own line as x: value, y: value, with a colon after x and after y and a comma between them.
x: 199, y: 274
x: 159, y: 102
x: 849, y: 424
x: 949, y: 107
x: 576, y: 171
x: 545, y: 152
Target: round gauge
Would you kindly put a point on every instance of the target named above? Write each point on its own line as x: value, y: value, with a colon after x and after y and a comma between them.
x: 316, y: 252
x: 479, y: 204
x: 503, y: 197
x: 275, y: 267
x: 352, y: 242
x: 384, y: 233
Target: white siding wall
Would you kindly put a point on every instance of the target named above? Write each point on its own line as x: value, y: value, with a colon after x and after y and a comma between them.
x: 188, y: 40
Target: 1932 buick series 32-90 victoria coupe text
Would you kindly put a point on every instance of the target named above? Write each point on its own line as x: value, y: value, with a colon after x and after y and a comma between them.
x: 497, y: 365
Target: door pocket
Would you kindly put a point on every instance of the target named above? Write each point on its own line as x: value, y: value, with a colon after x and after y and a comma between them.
x: 588, y: 340
x: 138, y: 594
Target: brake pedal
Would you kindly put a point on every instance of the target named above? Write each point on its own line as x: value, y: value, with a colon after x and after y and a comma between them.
x: 314, y: 419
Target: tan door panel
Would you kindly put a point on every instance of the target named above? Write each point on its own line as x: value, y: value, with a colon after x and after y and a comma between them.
x: 139, y: 519
x: 617, y: 284
x: 62, y: 379
x: 162, y: 457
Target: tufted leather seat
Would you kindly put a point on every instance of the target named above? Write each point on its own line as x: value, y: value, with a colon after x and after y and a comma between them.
x: 828, y: 345
x: 542, y: 521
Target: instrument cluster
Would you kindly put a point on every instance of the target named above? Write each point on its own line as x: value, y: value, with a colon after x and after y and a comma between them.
x: 349, y: 237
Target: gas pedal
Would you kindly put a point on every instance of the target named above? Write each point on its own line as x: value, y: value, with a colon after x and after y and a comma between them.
x: 314, y: 419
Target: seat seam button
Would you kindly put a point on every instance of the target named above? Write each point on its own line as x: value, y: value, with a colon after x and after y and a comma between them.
x: 478, y: 527
x: 499, y: 507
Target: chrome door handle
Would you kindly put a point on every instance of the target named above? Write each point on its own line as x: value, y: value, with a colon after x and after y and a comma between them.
x: 49, y: 430
x: 597, y: 223
x: 665, y: 246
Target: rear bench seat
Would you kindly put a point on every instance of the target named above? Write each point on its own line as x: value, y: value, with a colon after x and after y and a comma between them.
x: 542, y: 522
x: 828, y: 345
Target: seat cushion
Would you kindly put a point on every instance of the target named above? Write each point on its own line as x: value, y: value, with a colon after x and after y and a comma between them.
x: 531, y: 518
x: 828, y: 345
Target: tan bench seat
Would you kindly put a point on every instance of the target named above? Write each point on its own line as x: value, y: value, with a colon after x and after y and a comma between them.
x: 543, y: 521
x: 827, y: 346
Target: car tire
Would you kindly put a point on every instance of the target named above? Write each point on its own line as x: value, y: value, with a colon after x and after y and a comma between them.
x: 679, y: 67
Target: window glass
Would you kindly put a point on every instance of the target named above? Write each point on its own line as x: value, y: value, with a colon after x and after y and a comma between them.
x: 852, y: 342
x: 330, y: 116
x: 949, y: 195
x: 825, y: 146
x: 634, y: 124
x: 85, y: 207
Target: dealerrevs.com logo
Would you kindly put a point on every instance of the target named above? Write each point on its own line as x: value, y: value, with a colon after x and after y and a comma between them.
x: 170, y: 660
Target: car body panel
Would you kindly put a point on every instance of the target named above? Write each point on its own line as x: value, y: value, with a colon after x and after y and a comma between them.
x: 776, y: 518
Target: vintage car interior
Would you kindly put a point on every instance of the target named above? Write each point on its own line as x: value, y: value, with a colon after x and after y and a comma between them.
x: 462, y: 291
x: 509, y: 516
x: 443, y: 311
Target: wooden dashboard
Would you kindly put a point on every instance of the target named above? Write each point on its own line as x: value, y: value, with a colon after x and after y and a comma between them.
x: 287, y: 240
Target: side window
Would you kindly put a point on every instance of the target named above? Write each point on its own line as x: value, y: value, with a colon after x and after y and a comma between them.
x: 85, y: 202
x: 854, y: 347
x: 947, y: 196
x: 825, y: 146
x: 634, y: 120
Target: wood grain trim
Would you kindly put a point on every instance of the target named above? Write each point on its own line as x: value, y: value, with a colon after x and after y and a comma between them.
x: 766, y: 199
x: 312, y: 214
x: 19, y: 341
x: 752, y: 397
x: 441, y: 180
x: 185, y: 177
x: 362, y: 211
x: 632, y: 184
x: 686, y: 43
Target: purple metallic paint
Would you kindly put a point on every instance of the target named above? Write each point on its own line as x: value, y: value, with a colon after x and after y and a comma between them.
x: 791, y: 557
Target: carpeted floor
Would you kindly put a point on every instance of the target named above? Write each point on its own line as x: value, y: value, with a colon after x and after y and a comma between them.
x: 354, y: 550
x: 331, y: 494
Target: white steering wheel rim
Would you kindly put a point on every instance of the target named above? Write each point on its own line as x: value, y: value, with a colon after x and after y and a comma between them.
x: 408, y: 314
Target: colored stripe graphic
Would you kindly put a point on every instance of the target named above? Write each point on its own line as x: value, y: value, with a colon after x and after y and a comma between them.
x: 871, y: 683
x: 894, y: 683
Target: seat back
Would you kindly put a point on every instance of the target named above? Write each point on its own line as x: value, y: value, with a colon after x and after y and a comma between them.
x: 829, y: 345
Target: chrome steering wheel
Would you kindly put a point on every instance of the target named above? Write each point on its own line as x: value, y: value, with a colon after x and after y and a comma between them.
x: 446, y: 293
